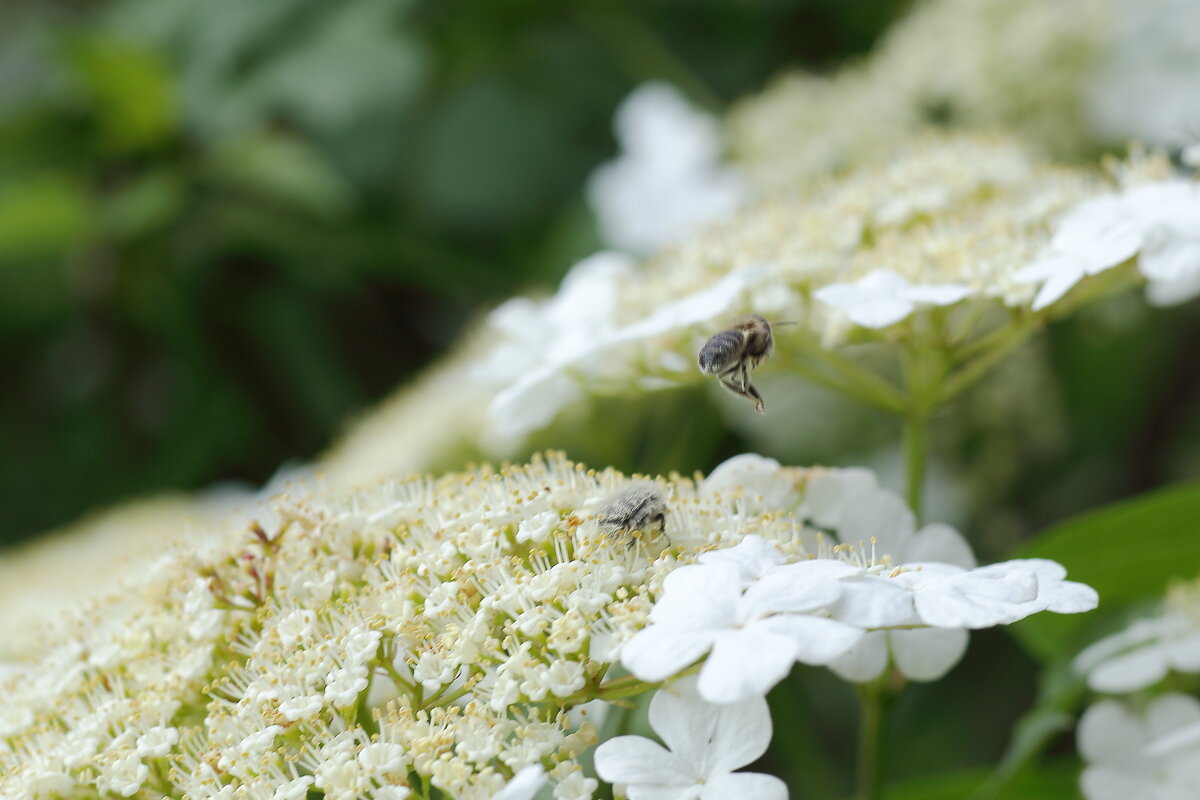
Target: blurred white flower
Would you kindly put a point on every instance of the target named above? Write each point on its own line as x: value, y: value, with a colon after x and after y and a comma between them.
x: 1161, y: 220
x: 668, y: 179
x: 882, y: 298
x: 524, y: 785
x: 1151, y: 754
x: 707, y: 609
x: 1146, y: 651
x: 546, y: 350
x: 705, y: 743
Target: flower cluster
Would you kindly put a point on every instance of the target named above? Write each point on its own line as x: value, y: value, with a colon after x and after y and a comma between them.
x: 1063, y: 75
x: 448, y: 633
x: 1140, y: 745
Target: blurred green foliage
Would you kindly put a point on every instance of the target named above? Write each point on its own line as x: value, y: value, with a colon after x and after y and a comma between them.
x: 225, y: 226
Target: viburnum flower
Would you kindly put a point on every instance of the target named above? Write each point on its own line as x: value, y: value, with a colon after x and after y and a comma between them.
x: 1146, y: 651
x: 705, y: 743
x: 1152, y: 753
x: 668, y: 180
x: 709, y: 607
x: 882, y: 298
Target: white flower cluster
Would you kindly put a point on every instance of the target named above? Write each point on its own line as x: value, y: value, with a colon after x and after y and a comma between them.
x: 1144, y: 746
x: 1065, y: 76
x: 887, y: 594
x: 950, y: 230
x: 946, y: 221
x: 440, y: 634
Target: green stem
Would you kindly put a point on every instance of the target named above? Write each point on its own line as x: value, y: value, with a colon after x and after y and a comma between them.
x: 842, y: 375
x: 916, y: 446
x: 999, y: 348
x: 875, y: 706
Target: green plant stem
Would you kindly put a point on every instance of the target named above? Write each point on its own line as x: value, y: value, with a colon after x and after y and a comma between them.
x: 840, y: 374
x: 916, y: 445
x: 875, y: 702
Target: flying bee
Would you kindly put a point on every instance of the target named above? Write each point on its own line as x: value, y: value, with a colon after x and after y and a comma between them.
x: 732, y: 353
x: 633, y: 510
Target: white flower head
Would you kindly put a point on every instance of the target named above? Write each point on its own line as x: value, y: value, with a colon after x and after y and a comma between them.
x: 1146, y: 651
x: 705, y: 743
x: 668, y: 179
x: 882, y: 298
x: 1161, y: 220
x: 1153, y: 753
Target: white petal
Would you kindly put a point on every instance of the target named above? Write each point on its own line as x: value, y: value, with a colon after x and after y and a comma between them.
x: 524, y: 785
x: 658, y: 792
x: 659, y: 651
x: 1169, y: 255
x: 1108, y: 732
x: 754, y: 556
x: 685, y: 722
x: 745, y: 786
x: 806, y: 586
x: 942, y: 294
x: 751, y: 476
x: 1184, y: 653
x: 871, y: 602
x: 1058, y: 284
x: 700, y: 595
x: 927, y: 654
x: 882, y: 516
x: 1171, y: 712
x: 1130, y: 671
x: 636, y: 759
x: 818, y: 640
x: 829, y: 494
x: 1105, y: 783
x: 942, y: 543
x: 742, y: 734
x: 884, y: 281
x: 880, y: 312
x: 730, y: 676
x: 865, y: 661
x: 842, y: 295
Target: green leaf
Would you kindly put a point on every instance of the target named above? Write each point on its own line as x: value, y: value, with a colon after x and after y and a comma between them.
x: 285, y: 168
x: 41, y: 217
x: 1127, y: 551
x: 131, y: 89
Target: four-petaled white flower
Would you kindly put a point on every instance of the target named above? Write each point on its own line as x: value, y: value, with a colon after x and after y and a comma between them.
x: 668, y: 180
x: 1143, y: 654
x: 853, y: 504
x: 1154, y: 754
x: 708, y: 609
x: 882, y: 298
x: 705, y: 743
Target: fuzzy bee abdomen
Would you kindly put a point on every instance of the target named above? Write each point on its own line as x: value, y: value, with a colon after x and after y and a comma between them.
x: 721, y: 352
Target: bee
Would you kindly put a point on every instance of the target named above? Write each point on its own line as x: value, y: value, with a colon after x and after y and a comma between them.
x: 732, y: 353
x: 632, y: 510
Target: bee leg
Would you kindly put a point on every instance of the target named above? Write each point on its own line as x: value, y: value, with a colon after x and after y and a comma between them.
x: 753, y: 394
x: 748, y: 391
